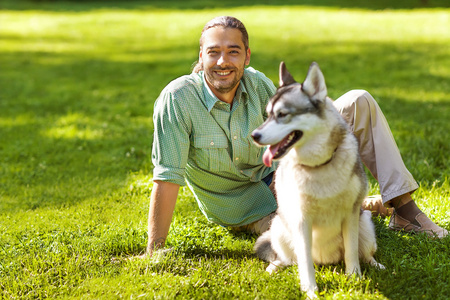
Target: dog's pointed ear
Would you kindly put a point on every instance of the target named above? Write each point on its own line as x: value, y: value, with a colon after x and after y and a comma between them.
x: 314, y: 85
x: 285, y: 77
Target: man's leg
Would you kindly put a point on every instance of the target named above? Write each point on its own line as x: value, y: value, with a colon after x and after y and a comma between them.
x: 263, y: 224
x: 380, y: 154
x: 257, y: 227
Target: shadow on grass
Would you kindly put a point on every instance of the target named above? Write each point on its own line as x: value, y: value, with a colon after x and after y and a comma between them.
x: 85, y: 5
x: 73, y: 127
x: 219, y: 254
x: 414, y: 260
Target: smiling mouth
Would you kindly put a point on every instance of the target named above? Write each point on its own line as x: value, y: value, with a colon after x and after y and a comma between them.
x: 277, y: 151
x: 223, y: 73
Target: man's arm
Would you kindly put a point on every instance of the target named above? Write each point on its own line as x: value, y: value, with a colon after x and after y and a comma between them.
x: 162, y: 204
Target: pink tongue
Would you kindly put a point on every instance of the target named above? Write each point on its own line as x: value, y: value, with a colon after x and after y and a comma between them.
x: 269, y: 153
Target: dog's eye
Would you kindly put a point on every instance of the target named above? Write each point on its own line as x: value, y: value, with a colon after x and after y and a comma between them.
x: 281, y: 115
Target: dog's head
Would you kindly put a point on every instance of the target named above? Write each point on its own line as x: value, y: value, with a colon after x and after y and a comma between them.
x: 294, y: 113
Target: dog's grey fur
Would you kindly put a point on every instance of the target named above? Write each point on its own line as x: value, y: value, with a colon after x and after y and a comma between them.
x: 320, y: 183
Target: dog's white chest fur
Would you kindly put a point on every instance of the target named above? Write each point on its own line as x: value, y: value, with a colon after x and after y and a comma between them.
x: 315, y: 194
x: 320, y: 183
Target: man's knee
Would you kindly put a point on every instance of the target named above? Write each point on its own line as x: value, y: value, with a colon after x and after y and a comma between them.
x: 355, y: 100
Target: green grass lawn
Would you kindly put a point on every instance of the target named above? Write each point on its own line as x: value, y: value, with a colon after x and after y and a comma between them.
x: 77, y: 85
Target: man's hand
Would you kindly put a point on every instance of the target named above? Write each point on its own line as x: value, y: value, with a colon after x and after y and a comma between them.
x: 155, y: 245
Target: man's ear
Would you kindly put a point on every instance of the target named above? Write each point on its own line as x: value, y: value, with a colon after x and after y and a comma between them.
x: 200, y: 60
x: 247, y: 58
x: 314, y: 85
x: 285, y: 77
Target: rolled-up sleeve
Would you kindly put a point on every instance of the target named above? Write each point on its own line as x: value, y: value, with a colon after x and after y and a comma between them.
x: 170, y: 139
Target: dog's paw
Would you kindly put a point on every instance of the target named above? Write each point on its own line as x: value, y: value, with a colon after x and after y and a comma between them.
x: 379, y: 266
x: 310, y: 291
x: 353, y: 271
x: 271, y: 268
x: 311, y: 295
x: 376, y: 264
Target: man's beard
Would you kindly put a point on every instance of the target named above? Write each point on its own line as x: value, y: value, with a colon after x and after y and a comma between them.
x: 220, y: 86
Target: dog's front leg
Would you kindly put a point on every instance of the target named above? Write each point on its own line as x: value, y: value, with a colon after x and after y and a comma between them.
x: 350, y: 231
x: 302, y: 247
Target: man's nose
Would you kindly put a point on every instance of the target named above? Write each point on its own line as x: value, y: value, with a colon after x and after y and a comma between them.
x: 223, y: 60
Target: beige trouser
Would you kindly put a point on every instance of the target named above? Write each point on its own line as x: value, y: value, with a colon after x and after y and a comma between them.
x: 377, y: 146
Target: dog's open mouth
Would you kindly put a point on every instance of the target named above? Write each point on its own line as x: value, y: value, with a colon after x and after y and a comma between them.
x: 279, y: 150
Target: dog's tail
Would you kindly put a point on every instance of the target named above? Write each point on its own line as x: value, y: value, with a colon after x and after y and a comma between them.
x: 263, y: 247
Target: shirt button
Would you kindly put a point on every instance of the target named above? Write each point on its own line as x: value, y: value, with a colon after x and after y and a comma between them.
x: 237, y: 158
x: 212, y: 143
x: 235, y: 137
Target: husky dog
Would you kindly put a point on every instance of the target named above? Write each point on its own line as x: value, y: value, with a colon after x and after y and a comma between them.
x: 320, y: 183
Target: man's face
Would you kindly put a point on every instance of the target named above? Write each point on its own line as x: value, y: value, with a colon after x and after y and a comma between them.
x: 224, y: 58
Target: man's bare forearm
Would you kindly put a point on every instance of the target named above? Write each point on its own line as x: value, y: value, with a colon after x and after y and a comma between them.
x: 162, y: 205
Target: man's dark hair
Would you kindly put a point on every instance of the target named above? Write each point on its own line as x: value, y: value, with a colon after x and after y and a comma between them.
x: 225, y: 22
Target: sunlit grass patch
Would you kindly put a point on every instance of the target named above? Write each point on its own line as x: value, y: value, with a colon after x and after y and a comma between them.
x: 78, y: 82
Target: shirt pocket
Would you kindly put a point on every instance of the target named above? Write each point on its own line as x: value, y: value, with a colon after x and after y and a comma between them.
x: 211, y: 152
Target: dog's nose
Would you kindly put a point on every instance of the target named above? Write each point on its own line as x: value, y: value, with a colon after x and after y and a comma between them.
x: 256, y: 136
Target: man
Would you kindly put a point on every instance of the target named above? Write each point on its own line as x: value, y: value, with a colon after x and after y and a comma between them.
x: 202, y: 125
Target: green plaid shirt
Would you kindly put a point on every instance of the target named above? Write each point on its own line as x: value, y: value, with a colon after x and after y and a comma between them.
x: 200, y: 140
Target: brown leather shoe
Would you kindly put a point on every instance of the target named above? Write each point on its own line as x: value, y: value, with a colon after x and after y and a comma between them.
x: 376, y: 206
x: 421, y: 223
